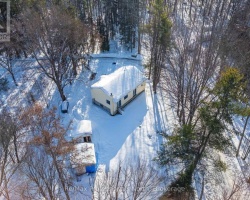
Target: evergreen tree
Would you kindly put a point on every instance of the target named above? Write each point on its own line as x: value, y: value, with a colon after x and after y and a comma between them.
x: 190, y: 143
x: 159, y: 31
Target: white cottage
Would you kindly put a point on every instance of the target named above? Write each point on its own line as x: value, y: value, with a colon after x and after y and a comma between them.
x: 114, y: 91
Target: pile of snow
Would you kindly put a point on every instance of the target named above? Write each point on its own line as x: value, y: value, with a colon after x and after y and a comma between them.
x: 120, y: 82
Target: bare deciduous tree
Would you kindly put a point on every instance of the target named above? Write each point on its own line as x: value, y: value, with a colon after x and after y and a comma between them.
x: 47, y: 133
x: 236, y: 189
x: 40, y: 177
x: 195, y: 58
x: 6, y: 60
x: 10, y: 153
x: 134, y: 181
x: 57, y: 41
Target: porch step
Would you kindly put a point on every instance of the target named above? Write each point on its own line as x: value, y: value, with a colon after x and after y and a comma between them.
x: 120, y: 111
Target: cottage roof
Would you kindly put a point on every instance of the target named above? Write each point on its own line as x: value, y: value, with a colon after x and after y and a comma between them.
x: 83, y: 128
x: 120, y: 82
x: 83, y: 155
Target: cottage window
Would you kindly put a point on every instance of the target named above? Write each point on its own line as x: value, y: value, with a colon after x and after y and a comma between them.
x: 108, y: 102
x: 126, y: 97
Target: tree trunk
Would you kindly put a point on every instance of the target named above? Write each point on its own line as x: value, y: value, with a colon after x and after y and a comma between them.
x: 202, y: 188
x: 7, y: 196
x: 150, y: 69
x: 242, y: 136
x: 74, y: 63
x: 15, y: 147
x: 60, y: 176
x: 13, y: 78
x: 117, y: 191
x: 61, y: 92
x: 3, y: 166
x: 188, y: 174
x: 175, y: 6
x: 154, y: 86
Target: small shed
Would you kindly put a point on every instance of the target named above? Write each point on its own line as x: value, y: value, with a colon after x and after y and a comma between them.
x: 83, y: 159
x: 65, y: 106
x: 83, y: 132
x: 114, y: 91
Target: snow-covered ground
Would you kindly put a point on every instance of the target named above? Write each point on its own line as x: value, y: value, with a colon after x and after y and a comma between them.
x: 126, y: 137
x: 120, y: 138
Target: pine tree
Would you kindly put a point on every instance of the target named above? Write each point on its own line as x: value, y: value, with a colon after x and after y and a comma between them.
x: 190, y: 143
x: 159, y: 31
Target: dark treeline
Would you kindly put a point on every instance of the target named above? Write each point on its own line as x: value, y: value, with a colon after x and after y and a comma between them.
x: 64, y: 32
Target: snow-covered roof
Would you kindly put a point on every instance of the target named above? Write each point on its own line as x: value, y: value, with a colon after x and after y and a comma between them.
x: 83, y: 128
x: 120, y: 82
x: 84, y: 155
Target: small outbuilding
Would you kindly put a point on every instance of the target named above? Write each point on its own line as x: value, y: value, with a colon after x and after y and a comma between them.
x: 83, y: 159
x: 114, y: 91
x: 83, y: 132
x: 64, y: 106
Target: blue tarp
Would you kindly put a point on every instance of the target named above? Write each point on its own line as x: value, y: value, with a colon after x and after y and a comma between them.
x: 92, y: 168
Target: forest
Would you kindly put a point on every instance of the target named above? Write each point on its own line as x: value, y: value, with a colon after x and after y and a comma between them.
x: 196, y: 58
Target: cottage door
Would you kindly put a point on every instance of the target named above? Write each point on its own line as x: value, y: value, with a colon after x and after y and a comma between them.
x: 134, y: 92
x: 119, y: 104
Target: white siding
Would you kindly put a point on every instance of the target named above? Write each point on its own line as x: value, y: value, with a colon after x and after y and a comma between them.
x: 100, y: 97
x: 139, y: 89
